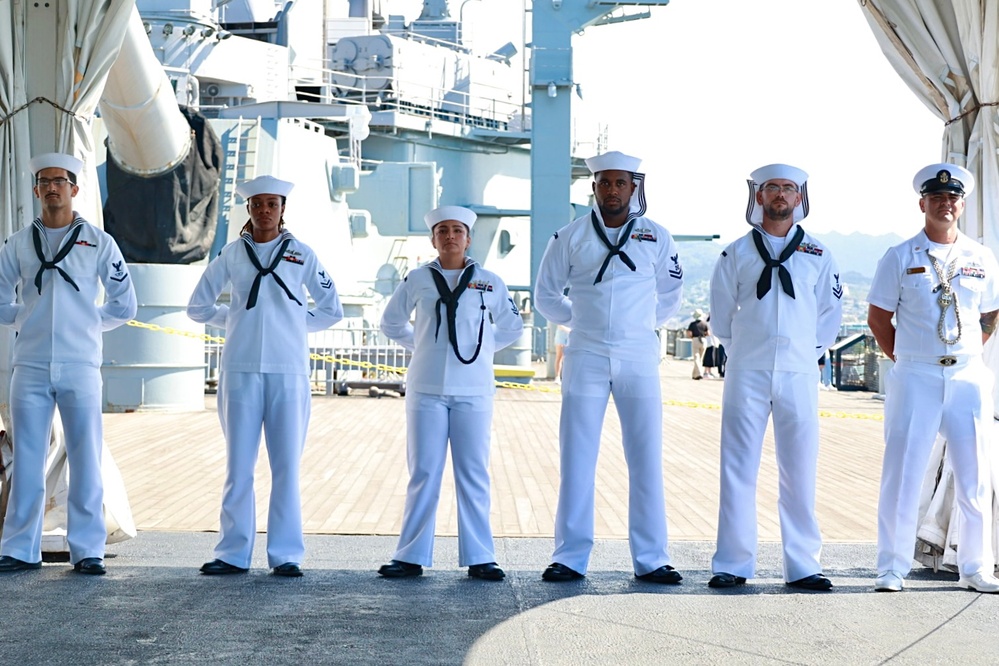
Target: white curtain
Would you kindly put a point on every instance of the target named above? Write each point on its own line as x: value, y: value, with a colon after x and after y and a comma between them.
x: 947, y: 52
x: 15, y: 183
x: 86, y: 42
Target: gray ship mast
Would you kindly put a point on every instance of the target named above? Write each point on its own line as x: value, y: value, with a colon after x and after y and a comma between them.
x: 554, y: 24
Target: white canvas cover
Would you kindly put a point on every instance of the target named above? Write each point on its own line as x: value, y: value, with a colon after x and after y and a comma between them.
x: 947, y: 52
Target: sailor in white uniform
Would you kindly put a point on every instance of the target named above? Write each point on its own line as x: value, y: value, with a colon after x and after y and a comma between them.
x: 264, y: 381
x: 941, y: 286
x: 775, y: 306
x: 464, y: 314
x: 624, y: 278
x: 58, y: 264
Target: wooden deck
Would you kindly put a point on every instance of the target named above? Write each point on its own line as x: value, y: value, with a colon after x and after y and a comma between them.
x: 354, y: 467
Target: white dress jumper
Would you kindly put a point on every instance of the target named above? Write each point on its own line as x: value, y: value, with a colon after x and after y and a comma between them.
x: 57, y: 361
x: 264, y: 382
x: 613, y: 350
x: 773, y: 346
x: 449, y: 402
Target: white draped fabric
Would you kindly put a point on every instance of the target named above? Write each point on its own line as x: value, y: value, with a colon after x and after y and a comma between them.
x: 85, y: 41
x: 947, y: 52
x: 15, y: 183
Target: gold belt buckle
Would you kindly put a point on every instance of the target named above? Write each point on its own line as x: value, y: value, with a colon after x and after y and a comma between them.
x: 947, y: 360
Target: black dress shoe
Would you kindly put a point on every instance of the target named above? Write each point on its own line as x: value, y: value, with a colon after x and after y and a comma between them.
x: 220, y: 568
x: 400, y: 569
x: 91, y: 566
x: 665, y: 575
x: 723, y: 580
x: 488, y: 571
x: 8, y: 564
x: 288, y: 570
x: 559, y: 573
x: 815, y: 583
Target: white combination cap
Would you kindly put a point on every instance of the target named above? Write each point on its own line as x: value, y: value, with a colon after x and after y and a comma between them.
x: 264, y: 185
x: 763, y: 175
x: 943, y: 178
x: 613, y: 161
x: 55, y: 161
x: 456, y: 213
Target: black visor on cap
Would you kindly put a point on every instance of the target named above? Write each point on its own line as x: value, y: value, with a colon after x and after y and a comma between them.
x: 942, y: 182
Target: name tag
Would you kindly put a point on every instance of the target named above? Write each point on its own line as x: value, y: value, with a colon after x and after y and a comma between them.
x: 915, y: 270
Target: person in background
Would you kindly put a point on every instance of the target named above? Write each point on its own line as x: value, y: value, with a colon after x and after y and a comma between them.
x: 711, y: 345
x: 624, y: 278
x: 51, y: 273
x: 697, y: 331
x: 775, y: 305
x: 941, y: 288
x: 825, y: 373
x: 264, y: 380
x: 464, y: 314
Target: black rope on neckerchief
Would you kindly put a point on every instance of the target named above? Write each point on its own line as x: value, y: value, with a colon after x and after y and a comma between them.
x: 450, y: 300
x: 261, y: 272
x: 766, y: 277
x: 60, y: 255
x: 615, y: 250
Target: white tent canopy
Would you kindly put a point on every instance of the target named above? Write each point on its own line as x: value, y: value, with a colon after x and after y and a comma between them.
x: 947, y: 52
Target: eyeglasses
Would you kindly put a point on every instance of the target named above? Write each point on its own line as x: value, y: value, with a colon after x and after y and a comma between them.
x: 786, y: 189
x: 45, y: 182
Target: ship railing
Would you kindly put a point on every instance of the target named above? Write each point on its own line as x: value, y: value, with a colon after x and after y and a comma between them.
x: 341, y: 359
x: 488, y: 108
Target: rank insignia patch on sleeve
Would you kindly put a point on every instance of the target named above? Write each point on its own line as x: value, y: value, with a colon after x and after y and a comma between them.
x: 676, y: 271
x: 118, y: 275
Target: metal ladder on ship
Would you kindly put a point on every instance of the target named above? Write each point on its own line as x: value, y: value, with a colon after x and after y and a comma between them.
x: 240, y: 148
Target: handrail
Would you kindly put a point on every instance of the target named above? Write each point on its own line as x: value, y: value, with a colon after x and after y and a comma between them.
x: 381, y: 93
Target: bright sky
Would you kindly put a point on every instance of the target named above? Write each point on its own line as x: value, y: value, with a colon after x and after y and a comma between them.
x: 705, y: 91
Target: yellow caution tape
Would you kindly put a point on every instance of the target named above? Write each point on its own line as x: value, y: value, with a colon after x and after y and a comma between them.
x: 864, y: 416
x: 875, y: 416
x: 339, y: 360
x: 176, y: 331
x: 691, y: 404
x: 395, y: 370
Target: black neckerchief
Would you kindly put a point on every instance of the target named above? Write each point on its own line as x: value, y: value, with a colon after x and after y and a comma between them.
x: 615, y: 250
x: 450, y: 300
x: 766, y: 277
x: 36, y: 236
x: 261, y: 271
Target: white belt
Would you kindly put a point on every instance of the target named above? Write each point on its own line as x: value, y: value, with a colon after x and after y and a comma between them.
x: 947, y: 360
